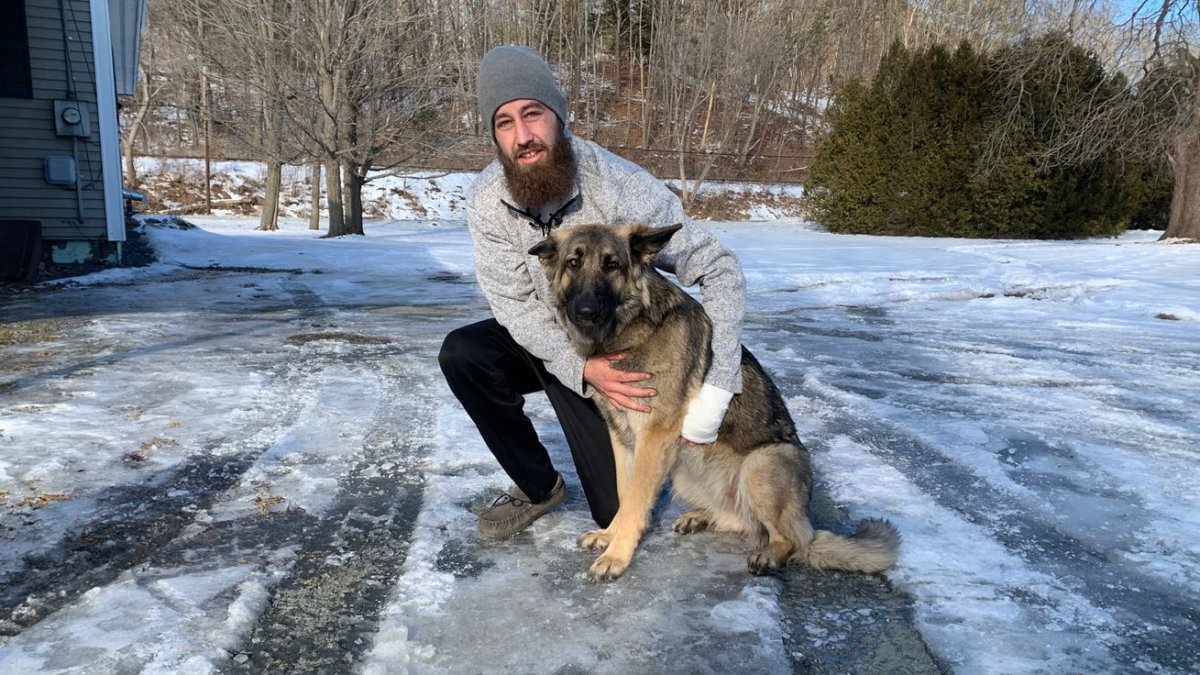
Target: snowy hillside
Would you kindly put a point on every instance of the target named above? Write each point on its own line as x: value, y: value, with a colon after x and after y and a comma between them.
x: 175, y: 186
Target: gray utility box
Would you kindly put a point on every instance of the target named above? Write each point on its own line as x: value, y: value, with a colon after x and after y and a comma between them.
x: 61, y: 170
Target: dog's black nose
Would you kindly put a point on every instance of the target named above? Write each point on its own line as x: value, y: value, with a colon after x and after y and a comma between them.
x: 587, y: 309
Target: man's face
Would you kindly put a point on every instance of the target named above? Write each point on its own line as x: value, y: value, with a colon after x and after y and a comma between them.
x: 538, y: 159
x: 525, y: 130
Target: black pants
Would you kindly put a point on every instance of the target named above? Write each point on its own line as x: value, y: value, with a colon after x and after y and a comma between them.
x: 490, y: 374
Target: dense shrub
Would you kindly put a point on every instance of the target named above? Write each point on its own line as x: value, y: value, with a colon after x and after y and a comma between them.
x: 937, y: 146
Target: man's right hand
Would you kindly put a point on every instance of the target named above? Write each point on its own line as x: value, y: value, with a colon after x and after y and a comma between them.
x: 614, y: 384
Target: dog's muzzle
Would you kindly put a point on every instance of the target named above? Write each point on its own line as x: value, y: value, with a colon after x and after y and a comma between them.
x: 592, y: 313
x: 586, y: 311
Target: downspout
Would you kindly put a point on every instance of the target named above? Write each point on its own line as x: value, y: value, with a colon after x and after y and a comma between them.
x: 106, y: 115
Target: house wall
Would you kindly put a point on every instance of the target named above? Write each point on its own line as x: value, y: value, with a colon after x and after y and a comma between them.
x: 27, y: 129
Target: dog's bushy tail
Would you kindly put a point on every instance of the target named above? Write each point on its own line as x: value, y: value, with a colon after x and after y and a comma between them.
x: 872, y: 548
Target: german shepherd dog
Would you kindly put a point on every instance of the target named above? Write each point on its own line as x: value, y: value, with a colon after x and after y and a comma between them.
x: 755, y: 480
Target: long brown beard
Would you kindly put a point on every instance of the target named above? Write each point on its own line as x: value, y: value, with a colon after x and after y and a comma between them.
x: 550, y: 181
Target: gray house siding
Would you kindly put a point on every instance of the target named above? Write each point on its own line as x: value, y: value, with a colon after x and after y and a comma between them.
x: 27, y: 130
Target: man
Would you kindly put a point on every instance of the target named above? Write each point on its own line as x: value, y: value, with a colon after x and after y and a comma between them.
x: 544, y: 178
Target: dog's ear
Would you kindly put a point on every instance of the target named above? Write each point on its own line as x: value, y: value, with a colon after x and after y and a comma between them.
x: 645, y: 242
x: 544, y: 249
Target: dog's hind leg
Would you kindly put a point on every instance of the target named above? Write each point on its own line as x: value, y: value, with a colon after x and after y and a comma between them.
x: 770, y: 488
x: 697, y: 520
x: 711, y: 489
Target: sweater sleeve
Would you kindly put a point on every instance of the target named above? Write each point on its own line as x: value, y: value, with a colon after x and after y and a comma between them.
x: 503, y: 276
x: 695, y: 256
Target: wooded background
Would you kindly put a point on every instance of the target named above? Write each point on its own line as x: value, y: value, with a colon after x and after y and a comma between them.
x: 695, y: 91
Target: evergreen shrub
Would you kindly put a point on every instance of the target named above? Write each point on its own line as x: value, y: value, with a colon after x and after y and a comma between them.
x: 935, y: 147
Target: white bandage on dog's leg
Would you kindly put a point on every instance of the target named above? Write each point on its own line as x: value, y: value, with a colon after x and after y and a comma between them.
x: 704, y: 414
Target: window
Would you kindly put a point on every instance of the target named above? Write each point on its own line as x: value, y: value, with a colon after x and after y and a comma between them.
x: 14, y: 51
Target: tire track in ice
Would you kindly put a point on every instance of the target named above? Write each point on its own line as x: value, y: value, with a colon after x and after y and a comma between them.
x: 321, y: 616
x: 1109, y: 611
x: 132, y: 522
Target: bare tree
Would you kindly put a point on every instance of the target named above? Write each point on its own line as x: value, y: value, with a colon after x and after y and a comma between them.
x: 147, y: 91
x: 780, y: 58
x: 276, y: 50
x: 716, y: 68
x: 340, y: 83
x: 1183, y: 152
x: 1176, y: 63
x: 373, y: 79
x: 250, y: 48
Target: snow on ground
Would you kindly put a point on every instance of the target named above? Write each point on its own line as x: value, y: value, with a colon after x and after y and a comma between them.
x: 253, y: 437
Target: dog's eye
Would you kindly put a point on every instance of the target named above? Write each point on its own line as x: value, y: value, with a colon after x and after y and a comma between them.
x: 611, y: 265
x: 572, y: 262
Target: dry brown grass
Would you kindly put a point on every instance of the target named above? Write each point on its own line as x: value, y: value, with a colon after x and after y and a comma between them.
x: 264, y: 503
x: 33, y: 502
x: 29, y: 332
x: 738, y: 205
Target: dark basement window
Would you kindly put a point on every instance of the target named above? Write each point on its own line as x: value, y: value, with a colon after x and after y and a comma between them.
x: 14, y: 51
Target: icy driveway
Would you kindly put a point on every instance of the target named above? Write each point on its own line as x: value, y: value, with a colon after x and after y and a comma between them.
x: 245, y: 459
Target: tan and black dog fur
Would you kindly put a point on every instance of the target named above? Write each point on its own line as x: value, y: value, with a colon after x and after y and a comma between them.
x: 755, y: 479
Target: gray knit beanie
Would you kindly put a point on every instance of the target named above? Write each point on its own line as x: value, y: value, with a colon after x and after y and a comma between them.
x: 512, y: 72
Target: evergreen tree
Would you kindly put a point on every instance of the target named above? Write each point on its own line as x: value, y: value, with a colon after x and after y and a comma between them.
x: 1031, y: 195
x: 931, y: 148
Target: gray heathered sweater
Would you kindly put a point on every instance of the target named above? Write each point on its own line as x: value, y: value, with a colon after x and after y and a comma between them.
x: 613, y: 191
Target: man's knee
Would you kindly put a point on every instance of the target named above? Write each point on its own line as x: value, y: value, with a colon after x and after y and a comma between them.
x: 457, y: 350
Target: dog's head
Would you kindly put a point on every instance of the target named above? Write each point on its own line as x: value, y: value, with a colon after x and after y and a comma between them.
x: 597, y: 273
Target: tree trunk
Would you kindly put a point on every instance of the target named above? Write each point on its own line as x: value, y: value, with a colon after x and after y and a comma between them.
x: 329, y: 97
x: 333, y: 198
x: 314, y: 181
x: 685, y: 195
x: 331, y: 137
x: 748, y: 146
x: 131, y: 177
x: 355, y: 179
x: 269, y: 220
x: 1184, y: 222
x: 1184, y: 156
x: 272, y: 128
x: 206, y: 113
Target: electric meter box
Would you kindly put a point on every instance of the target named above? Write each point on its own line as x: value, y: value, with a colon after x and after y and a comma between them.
x: 71, y: 119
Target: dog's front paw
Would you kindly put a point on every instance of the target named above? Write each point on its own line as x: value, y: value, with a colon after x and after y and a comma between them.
x: 607, y: 568
x: 691, y: 522
x: 596, y: 540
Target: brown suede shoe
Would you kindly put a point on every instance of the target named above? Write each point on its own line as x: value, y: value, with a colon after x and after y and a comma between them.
x: 513, y: 512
